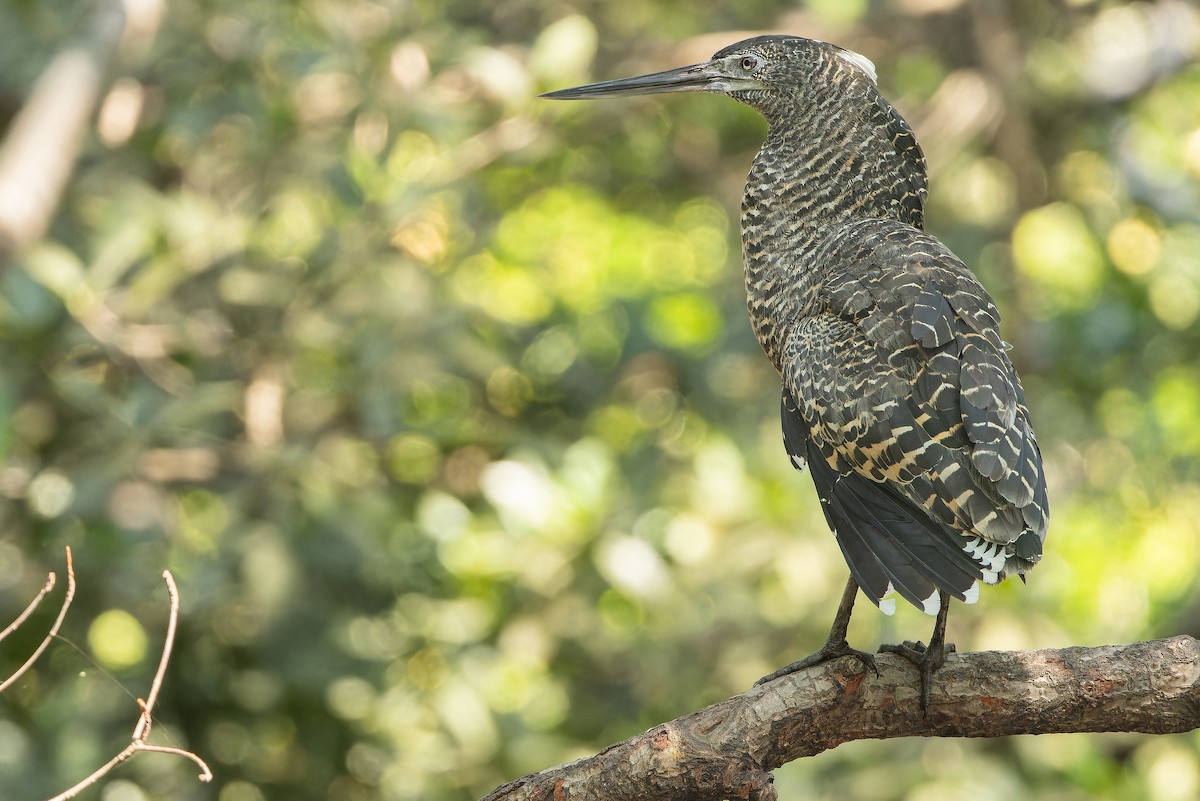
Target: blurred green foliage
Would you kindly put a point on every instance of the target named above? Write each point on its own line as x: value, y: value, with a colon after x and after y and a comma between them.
x: 440, y: 402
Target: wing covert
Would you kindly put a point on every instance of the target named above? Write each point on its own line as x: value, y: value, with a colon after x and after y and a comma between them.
x: 902, y: 379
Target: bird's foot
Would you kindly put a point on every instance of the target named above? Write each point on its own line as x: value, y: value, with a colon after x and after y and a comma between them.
x: 927, y: 660
x: 832, y: 649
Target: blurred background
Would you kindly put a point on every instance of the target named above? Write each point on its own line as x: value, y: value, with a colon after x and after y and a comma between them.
x: 441, y: 404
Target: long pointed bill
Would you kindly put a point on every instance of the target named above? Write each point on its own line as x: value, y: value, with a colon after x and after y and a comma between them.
x: 696, y: 78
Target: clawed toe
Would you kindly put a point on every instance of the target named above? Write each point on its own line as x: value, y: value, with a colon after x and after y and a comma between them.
x: 910, y: 650
x: 927, y: 661
x: 835, y: 645
x: 831, y: 650
x: 914, y: 651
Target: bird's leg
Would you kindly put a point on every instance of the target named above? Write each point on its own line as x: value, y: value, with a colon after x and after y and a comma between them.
x: 927, y: 659
x: 836, y: 645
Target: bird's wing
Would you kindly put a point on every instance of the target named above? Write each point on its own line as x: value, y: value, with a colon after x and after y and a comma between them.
x: 908, y: 408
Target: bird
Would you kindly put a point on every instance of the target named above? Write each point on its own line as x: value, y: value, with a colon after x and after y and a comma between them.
x: 898, y: 393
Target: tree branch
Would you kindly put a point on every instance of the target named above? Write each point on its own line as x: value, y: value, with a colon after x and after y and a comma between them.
x: 50, y: 635
x: 729, y: 749
x: 141, y: 730
x: 51, y: 580
x: 47, y: 135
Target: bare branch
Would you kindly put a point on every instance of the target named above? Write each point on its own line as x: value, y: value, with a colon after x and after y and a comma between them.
x: 62, y: 614
x: 729, y: 749
x: 205, y: 774
x: 127, y: 754
x: 45, y: 138
x: 51, y: 580
x: 141, y: 730
x: 97, y: 775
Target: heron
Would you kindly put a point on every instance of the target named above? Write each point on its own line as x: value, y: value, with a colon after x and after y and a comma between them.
x: 898, y: 392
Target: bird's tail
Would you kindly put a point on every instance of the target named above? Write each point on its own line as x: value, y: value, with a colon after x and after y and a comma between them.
x: 888, y: 542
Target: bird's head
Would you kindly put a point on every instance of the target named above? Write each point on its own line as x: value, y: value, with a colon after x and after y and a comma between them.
x: 774, y: 74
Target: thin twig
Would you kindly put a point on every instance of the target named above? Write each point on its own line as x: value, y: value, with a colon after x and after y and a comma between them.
x: 128, y: 753
x: 51, y: 579
x: 62, y: 613
x: 97, y: 775
x: 142, y: 730
x: 205, y: 773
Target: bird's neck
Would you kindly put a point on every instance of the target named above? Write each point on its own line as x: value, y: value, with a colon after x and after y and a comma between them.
x: 818, y: 170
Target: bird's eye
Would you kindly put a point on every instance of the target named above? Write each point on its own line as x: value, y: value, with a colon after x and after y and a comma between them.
x: 749, y: 63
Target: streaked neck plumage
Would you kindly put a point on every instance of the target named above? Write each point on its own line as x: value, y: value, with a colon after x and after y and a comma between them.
x: 836, y: 152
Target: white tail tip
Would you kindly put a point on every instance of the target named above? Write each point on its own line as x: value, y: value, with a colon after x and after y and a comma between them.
x: 972, y: 594
x: 932, y: 604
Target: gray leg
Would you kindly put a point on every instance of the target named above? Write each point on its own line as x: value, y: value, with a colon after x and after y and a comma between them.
x: 836, y: 645
x: 927, y: 659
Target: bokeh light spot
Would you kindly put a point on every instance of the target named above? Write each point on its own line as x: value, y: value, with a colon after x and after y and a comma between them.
x: 117, y: 640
